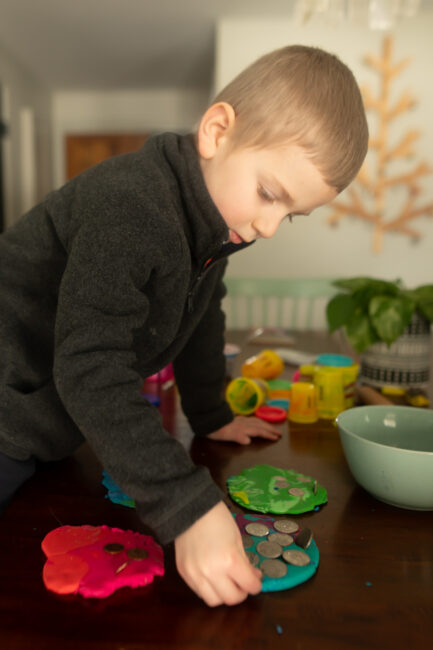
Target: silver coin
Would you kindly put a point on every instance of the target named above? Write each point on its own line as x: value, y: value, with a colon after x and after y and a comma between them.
x: 253, y: 558
x: 296, y: 492
x: 315, y: 487
x: 257, y: 529
x: 269, y: 549
x: 303, y: 479
x: 247, y: 541
x: 273, y: 568
x: 286, y: 526
x: 281, y: 483
x: 113, y: 548
x: 297, y: 558
x: 283, y: 539
x: 304, y: 538
x: 137, y: 553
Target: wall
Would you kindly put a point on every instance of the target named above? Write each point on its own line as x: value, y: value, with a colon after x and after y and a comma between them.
x: 23, y: 97
x: 309, y: 247
x: 144, y: 111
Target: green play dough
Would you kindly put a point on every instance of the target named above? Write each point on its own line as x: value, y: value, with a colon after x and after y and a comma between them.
x: 265, y: 488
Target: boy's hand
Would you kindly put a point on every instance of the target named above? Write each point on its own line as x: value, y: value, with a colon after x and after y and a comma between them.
x: 211, y: 559
x: 242, y: 429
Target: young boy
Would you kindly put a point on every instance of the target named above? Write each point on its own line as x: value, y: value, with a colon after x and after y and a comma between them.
x: 120, y: 271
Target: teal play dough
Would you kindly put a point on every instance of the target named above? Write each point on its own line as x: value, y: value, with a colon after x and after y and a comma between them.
x: 295, y: 574
x: 265, y: 488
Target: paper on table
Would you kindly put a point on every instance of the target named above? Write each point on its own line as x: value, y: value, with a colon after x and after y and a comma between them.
x: 296, y: 357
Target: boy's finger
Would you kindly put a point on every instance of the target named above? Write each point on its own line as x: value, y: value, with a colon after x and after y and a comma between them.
x: 269, y: 435
x: 229, y: 591
x: 246, y: 577
x: 205, y: 591
x: 208, y: 594
x: 243, y: 439
x: 265, y: 425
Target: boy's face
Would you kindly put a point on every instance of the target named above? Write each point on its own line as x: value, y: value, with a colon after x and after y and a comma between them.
x: 255, y: 189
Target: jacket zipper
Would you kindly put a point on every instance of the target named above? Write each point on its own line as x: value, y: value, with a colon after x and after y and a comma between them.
x: 191, y: 292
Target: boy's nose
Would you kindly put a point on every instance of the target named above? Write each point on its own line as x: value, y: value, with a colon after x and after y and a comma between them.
x: 266, y: 227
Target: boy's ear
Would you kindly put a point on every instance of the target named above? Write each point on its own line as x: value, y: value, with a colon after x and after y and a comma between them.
x: 215, y: 125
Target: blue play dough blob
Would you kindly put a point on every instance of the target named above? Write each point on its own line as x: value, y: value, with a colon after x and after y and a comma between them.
x: 295, y: 575
x: 115, y: 493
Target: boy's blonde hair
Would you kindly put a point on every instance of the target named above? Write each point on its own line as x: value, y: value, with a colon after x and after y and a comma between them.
x: 307, y: 96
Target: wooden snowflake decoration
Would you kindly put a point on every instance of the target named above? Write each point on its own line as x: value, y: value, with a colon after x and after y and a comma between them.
x: 367, y: 195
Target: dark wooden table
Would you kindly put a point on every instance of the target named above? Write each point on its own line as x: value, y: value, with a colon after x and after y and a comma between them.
x: 373, y: 588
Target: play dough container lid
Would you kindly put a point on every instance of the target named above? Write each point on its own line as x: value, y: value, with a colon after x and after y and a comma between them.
x: 336, y: 360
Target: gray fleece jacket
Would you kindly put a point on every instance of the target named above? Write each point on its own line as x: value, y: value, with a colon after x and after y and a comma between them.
x: 101, y: 285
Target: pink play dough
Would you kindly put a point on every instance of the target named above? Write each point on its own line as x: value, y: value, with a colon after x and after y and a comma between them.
x: 77, y: 561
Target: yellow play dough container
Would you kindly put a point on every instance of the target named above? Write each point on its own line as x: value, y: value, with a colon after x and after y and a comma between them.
x: 266, y: 365
x: 245, y: 395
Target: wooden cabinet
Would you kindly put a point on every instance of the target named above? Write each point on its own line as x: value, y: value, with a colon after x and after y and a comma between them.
x: 84, y: 151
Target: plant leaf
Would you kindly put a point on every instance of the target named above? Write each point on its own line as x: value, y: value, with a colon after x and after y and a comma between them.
x: 372, y: 285
x: 339, y: 311
x: 424, y: 295
x: 360, y: 332
x: 390, y: 316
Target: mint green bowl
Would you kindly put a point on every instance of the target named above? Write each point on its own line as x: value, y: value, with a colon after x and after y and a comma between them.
x: 389, y: 450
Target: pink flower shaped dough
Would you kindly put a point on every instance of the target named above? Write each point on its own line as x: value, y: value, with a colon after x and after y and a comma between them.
x: 96, y: 560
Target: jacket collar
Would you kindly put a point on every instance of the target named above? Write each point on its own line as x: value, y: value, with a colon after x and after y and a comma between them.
x: 204, y: 226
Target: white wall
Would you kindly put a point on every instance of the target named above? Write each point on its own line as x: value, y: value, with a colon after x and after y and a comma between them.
x: 139, y: 111
x: 310, y: 247
x: 23, y: 97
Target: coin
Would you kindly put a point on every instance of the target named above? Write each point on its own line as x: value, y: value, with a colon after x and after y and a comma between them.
x: 113, y: 548
x: 273, y: 568
x: 269, y: 549
x: 303, y: 479
x: 297, y: 558
x: 257, y: 529
x: 286, y: 526
x: 304, y: 538
x: 315, y: 487
x: 247, y: 541
x: 137, y: 553
x: 253, y: 558
x: 296, y: 492
x: 281, y: 483
x: 281, y: 538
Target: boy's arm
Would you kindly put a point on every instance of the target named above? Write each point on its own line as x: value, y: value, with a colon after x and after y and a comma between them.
x: 200, y: 367
x: 100, y: 306
x: 200, y: 375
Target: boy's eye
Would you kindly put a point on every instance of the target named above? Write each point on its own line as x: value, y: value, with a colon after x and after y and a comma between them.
x: 264, y: 194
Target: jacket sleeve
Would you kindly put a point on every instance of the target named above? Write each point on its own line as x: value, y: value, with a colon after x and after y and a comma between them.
x: 200, y: 368
x: 101, y: 302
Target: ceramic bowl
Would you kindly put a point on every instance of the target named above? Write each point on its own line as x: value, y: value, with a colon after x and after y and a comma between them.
x: 389, y: 450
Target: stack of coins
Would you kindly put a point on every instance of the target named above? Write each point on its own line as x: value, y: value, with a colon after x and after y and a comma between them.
x: 276, y: 545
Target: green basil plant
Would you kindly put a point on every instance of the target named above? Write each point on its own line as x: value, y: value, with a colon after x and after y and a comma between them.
x: 372, y: 310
